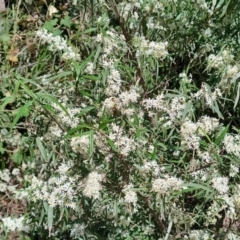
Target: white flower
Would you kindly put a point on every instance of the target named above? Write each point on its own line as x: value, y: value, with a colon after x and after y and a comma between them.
x: 93, y: 185
x: 89, y: 68
x: 80, y: 144
x: 63, y: 168
x: 77, y: 230
x: 5, y: 175
x: 3, y: 187
x: 15, y: 171
x: 130, y: 195
x: 57, y: 43
x: 234, y: 169
x: 220, y: 184
x: 15, y: 224
x: 232, y: 144
x: 164, y: 185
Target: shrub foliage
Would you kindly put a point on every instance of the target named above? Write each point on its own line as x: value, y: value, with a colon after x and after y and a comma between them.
x: 120, y: 120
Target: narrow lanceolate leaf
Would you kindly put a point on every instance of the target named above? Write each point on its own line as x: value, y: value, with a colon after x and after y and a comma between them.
x: 112, y: 145
x: 194, y: 186
x: 23, y: 111
x: 222, y: 135
x: 52, y: 99
x: 237, y: 97
x: 41, y: 149
x: 91, y: 144
x: 6, y: 101
x: 50, y: 219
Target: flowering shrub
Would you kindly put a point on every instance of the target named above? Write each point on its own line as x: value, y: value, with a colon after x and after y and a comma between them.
x: 126, y: 125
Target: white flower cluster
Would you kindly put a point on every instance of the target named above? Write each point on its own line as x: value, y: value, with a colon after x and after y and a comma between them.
x: 80, y: 145
x: 102, y: 145
x: 152, y: 23
x: 232, y: 236
x: 231, y: 71
x: 93, y: 185
x: 206, y: 125
x: 234, y: 170
x: 236, y: 197
x: 77, y: 230
x: 6, y: 176
x: 223, y: 63
x: 128, y: 97
x: 69, y: 119
x: 204, y: 156
x: 191, y: 132
x: 151, y: 167
x: 173, y: 109
x: 126, y: 8
x: 57, y: 190
x: 200, y: 235
x: 232, y: 144
x: 224, y: 58
x: 176, y: 108
x: 157, y: 103
x: 112, y: 42
x: 89, y: 68
x: 155, y: 6
x: 223, y: 202
x: 166, y: 184
x: 200, y: 175
x: 184, y: 78
x: 121, y: 103
x: 57, y: 43
x: 123, y: 143
x: 15, y: 224
x: 229, y: 204
x: 114, y: 83
x: 130, y: 195
x: 188, y: 132
x: 209, y: 96
x: 151, y: 48
x: 220, y: 184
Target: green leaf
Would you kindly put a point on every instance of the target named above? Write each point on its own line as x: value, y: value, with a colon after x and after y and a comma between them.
x: 224, y: 9
x: 28, y: 91
x: 2, y: 149
x: 186, y: 110
x: 49, y: 108
x: 50, y: 219
x: 112, y: 145
x: 52, y: 99
x: 6, y: 101
x: 90, y: 30
x: 79, y: 67
x: 237, y: 97
x: 17, y: 157
x: 91, y: 144
x: 23, y: 111
x: 194, y: 186
x: 79, y: 127
x: 59, y: 76
x: 42, y: 214
x: 216, y: 109
x: 41, y: 148
x: 66, y: 21
x: 222, y: 135
x: 86, y: 110
x: 50, y: 24
x: 5, y: 38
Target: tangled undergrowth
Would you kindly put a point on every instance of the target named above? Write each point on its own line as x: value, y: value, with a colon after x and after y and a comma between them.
x: 120, y: 120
